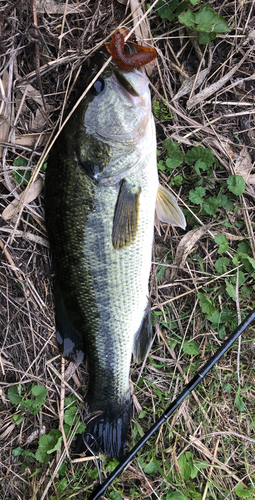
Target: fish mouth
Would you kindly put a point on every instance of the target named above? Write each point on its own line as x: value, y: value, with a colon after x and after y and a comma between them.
x: 131, y: 84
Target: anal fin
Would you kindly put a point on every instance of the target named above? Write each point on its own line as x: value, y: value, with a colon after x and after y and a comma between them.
x: 167, y: 209
x: 143, y: 337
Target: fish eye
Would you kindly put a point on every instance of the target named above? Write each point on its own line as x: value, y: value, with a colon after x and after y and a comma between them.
x: 98, y: 86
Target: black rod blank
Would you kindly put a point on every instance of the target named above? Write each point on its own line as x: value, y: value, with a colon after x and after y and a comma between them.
x: 99, y: 490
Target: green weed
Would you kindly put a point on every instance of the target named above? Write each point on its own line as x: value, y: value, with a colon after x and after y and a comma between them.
x: 33, y: 401
x: 205, y: 21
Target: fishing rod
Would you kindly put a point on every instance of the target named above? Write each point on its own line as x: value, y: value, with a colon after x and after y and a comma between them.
x: 99, y: 490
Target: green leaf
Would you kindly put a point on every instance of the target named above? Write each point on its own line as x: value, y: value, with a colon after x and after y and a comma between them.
x: 174, y: 154
x: 21, y: 177
x: 194, y: 494
x: 175, y: 161
x: 80, y: 429
x: 200, y: 164
x: 236, y: 184
x: 223, y: 316
x: 221, y: 265
x: 93, y: 473
x: 161, y: 166
x: 243, y: 492
x: 230, y: 289
x: 239, y: 403
x: 113, y: 462
x: 160, y: 272
x: 41, y: 393
x: 62, y: 469
x: 185, y: 468
x: 115, y: 496
x: 211, y: 205
x: 209, y: 21
x: 35, y: 473
x: 188, y: 19
x: 227, y: 388
x: 17, y: 419
x: 205, y: 155
x: 70, y: 414
x: 191, y: 347
x: 17, y: 451
x: 48, y: 443
x: 20, y: 162
x: 142, y: 414
x: 222, y: 332
x: 248, y: 262
x: 206, y: 21
x: 222, y: 242
x: 62, y: 485
x: 205, y: 38
x: 164, y: 11
x: 139, y: 428
x: 28, y: 456
x: 70, y: 399
x: 14, y: 395
x: 150, y: 468
x: 227, y: 204
x: 206, y: 304
x: 175, y: 495
x: 177, y: 181
x: 243, y: 247
x: 201, y: 464
x: 196, y: 196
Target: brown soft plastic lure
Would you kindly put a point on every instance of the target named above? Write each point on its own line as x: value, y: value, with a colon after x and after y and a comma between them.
x: 129, y: 61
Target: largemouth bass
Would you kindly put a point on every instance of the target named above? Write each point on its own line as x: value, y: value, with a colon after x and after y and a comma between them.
x: 100, y: 193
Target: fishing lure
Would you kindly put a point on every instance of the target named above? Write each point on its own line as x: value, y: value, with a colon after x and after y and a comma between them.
x: 129, y: 61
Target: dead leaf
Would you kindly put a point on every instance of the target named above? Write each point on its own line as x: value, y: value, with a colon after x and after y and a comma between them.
x: 7, y: 431
x: 32, y: 193
x: 2, y: 396
x: 4, y: 122
x: 243, y: 165
x: 185, y: 246
x: 142, y: 30
x: 215, y: 87
x: 54, y: 7
x: 31, y: 93
x: 38, y: 120
x: 229, y: 236
x: 188, y: 83
x: 36, y: 434
x: 29, y: 140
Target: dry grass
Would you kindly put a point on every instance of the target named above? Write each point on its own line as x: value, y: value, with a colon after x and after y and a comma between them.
x: 43, y: 56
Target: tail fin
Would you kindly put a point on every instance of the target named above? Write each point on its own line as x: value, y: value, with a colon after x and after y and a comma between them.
x: 107, y: 432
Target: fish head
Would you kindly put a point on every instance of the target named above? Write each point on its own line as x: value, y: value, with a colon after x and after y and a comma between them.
x: 116, y: 112
x: 121, y: 105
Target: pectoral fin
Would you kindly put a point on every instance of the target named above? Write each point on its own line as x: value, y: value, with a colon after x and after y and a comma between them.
x: 167, y: 209
x: 125, y: 222
x: 69, y: 342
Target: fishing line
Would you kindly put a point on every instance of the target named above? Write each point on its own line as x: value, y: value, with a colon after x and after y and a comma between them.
x: 198, y: 377
x: 98, y: 462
